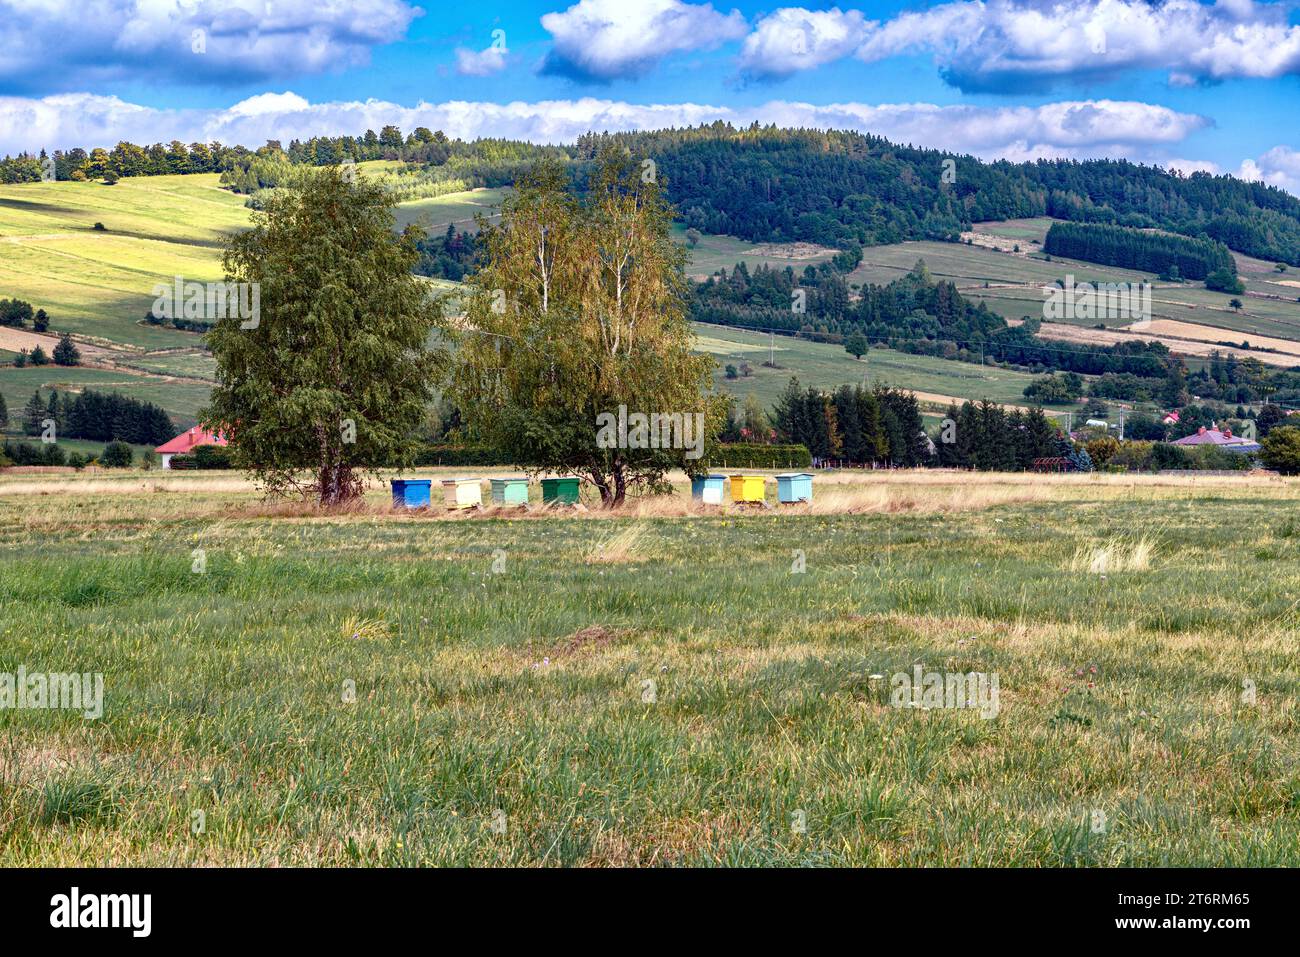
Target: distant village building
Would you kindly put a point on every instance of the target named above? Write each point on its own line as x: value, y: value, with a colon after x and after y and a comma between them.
x: 187, y: 442
x: 1224, y: 440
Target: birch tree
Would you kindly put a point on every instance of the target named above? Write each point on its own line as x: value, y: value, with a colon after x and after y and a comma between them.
x: 580, y: 309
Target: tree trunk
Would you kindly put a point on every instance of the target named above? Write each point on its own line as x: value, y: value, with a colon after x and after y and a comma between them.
x: 620, y: 484
x: 336, y: 485
x: 602, y: 485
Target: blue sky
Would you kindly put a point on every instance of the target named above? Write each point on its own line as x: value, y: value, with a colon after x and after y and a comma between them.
x: 1182, y: 83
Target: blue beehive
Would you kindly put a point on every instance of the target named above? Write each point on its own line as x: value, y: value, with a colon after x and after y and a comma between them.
x: 794, y: 487
x: 410, y: 493
x: 710, y: 489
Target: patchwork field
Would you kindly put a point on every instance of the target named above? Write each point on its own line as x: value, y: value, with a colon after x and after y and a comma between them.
x: 98, y: 285
x: 658, y: 689
x: 829, y: 366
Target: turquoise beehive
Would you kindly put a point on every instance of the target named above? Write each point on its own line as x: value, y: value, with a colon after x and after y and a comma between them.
x: 794, y: 487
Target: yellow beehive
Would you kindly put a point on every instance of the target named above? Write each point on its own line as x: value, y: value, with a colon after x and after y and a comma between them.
x: 748, y: 488
x: 462, y: 493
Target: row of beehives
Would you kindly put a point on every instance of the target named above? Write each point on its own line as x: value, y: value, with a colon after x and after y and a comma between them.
x: 711, y: 489
x: 468, y: 492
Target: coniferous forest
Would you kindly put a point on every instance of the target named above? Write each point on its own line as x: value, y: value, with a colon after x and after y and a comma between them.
x: 1176, y: 256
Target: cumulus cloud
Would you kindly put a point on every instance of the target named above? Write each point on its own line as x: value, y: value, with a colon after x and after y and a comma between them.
x: 1007, y: 45
x: 1278, y: 167
x: 603, y: 40
x: 794, y: 39
x: 484, y: 62
x: 1077, y: 129
x: 76, y: 44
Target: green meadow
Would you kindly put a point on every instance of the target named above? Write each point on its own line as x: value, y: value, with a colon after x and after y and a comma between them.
x: 284, y: 687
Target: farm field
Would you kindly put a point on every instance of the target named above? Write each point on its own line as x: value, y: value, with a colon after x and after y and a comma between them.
x: 714, y: 252
x: 829, y: 366
x: 436, y: 213
x: 619, y: 706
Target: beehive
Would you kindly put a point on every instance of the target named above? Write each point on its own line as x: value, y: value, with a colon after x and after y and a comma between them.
x: 462, y: 493
x: 748, y: 488
x: 410, y: 493
x: 563, y: 490
x: 794, y: 487
x: 710, y: 489
x: 510, y: 491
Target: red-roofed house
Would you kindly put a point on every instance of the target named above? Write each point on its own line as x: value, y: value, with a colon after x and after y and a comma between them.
x: 1224, y: 440
x: 185, y: 443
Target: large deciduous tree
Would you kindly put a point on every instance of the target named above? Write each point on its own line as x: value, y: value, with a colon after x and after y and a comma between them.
x: 332, y: 376
x: 579, y: 309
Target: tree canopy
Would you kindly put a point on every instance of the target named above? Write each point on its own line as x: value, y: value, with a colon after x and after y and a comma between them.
x: 336, y: 371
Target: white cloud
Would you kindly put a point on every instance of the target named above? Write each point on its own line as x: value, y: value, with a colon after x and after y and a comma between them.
x: 1078, y: 129
x: 1278, y: 167
x: 794, y: 39
x: 608, y: 39
x: 70, y: 44
x: 1004, y: 45
x: 483, y: 63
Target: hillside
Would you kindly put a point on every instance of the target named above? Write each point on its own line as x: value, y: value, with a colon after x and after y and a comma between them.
x: 90, y: 255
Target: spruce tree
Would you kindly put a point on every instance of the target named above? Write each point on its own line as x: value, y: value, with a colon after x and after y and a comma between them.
x: 65, y: 353
x: 33, y: 414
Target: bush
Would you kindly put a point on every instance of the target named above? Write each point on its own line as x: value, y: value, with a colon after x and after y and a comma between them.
x: 1223, y: 280
x: 1166, y: 456
x: 1281, y: 449
x: 213, y: 457
x: 1133, y: 457
x: 116, y: 455
x: 740, y: 455
x: 458, y: 455
x: 32, y: 453
x: 182, y: 463
x: 1101, y: 450
x: 751, y: 456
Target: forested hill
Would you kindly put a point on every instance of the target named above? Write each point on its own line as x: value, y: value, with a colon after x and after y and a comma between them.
x: 841, y: 188
x: 763, y: 184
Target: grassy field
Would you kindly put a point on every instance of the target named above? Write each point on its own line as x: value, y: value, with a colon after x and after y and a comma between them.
x: 666, y: 689
x: 435, y: 214
x: 98, y: 283
x: 829, y: 366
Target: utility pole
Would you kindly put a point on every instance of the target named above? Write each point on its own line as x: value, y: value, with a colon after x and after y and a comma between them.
x: 771, y: 348
x: 1121, y: 425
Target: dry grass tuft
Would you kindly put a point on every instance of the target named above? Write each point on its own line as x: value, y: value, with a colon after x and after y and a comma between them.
x: 624, y: 546
x: 1116, y: 555
x: 358, y: 628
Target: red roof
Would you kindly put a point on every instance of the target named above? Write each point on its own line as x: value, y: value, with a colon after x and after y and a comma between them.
x: 188, y: 440
x: 1204, y: 436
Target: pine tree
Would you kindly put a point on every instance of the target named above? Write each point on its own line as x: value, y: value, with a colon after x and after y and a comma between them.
x: 788, y: 411
x: 65, y: 353
x: 33, y: 414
